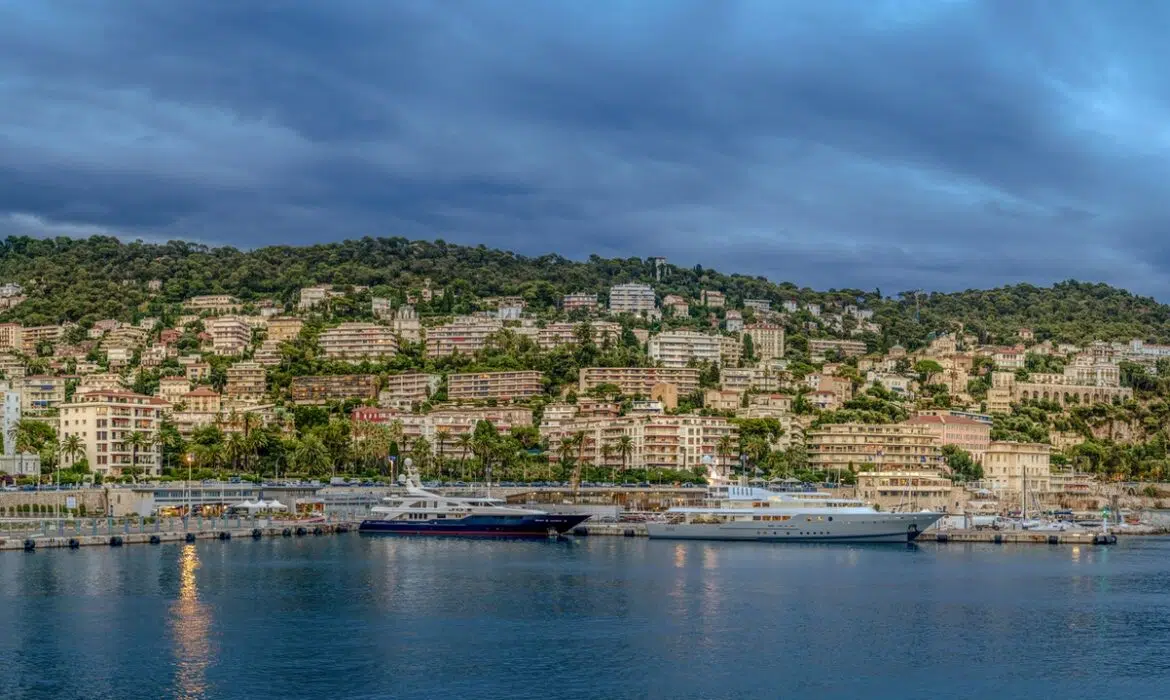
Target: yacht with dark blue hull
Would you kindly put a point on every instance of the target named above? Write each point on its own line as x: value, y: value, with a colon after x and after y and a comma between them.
x: 421, y: 512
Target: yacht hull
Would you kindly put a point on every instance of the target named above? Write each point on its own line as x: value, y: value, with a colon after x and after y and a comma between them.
x: 879, y: 528
x: 541, y: 525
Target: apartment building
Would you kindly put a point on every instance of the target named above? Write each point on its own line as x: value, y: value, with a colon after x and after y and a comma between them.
x: 171, y: 389
x: 466, y: 337
x: 907, y: 489
x: 202, y: 400
x: 1050, y: 387
x: 658, y: 441
x: 730, y: 351
x: 556, y: 334
x: 230, y: 335
x: 1010, y: 358
x: 212, y: 303
x: 967, y: 434
x: 407, y: 389
x: 312, y: 297
x: 680, y: 348
x: 382, y: 307
x: 246, y: 381
x: 819, y: 347
x: 42, y: 393
x: 633, y: 298
x: 197, y: 372
x: 33, y: 336
x: 640, y: 380
x: 319, y: 389
x: 579, y: 300
x: 1006, y: 465
x: 884, y: 447
x: 767, y: 340
x: 722, y: 399
x: 406, y: 324
x: 284, y: 328
x: 677, y: 305
x: 503, y: 386
x: 11, y: 337
x: 103, y: 420
x: 758, y: 305
x: 712, y: 299
x: 733, y: 321
x: 358, y: 341
x: 442, y: 427
x: 12, y: 366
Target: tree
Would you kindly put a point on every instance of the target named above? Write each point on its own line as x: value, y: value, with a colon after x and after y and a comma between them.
x: 963, y: 467
x: 137, y: 440
x: 465, y: 443
x: 311, y: 456
x: 442, y: 437
x: 927, y: 370
x: 724, y: 446
x: 625, y: 448
x: 72, y: 449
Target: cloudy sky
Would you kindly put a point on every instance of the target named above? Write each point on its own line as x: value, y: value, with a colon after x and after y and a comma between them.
x: 939, y: 144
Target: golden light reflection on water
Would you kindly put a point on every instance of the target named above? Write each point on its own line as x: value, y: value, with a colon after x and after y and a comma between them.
x: 1076, y: 553
x: 190, y: 627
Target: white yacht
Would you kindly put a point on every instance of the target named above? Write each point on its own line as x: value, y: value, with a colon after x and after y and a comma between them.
x: 740, y: 512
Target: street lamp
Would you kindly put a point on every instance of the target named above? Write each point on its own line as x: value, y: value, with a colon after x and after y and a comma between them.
x: 190, y: 460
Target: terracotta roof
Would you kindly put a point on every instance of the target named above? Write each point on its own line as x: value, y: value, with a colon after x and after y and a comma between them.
x: 201, y: 391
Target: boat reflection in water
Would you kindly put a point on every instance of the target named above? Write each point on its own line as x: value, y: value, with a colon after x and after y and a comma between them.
x: 190, y: 627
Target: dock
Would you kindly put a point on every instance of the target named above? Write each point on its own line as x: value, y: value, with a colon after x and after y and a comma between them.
x: 117, y: 536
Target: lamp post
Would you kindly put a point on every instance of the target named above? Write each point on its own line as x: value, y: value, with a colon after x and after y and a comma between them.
x: 190, y: 460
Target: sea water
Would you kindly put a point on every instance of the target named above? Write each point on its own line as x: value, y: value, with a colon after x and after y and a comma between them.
x: 353, y: 616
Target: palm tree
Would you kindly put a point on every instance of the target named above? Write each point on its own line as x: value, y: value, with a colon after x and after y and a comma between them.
x: 565, y: 450
x: 442, y: 435
x: 625, y: 449
x: 579, y: 443
x: 136, y: 440
x: 72, y: 449
x: 421, y: 452
x: 724, y: 446
x: 311, y: 456
x: 607, y: 452
x: 236, y: 449
x: 465, y: 441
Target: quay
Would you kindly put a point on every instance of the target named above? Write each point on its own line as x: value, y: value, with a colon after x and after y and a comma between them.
x: 930, y: 536
x: 112, y: 534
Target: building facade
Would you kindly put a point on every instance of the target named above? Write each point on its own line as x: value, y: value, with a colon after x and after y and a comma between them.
x: 857, y: 446
x: 502, y: 386
x: 358, y: 341
x: 633, y: 298
x: 640, y: 380
x: 319, y: 389
x: 104, y: 420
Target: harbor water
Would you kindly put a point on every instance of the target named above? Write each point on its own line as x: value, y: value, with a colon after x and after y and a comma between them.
x: 351, y: 616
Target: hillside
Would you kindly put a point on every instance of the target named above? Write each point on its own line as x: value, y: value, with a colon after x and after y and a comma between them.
x: 84, y: 280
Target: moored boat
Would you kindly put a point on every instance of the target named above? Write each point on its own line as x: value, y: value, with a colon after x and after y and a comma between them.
x: 422, y: 512
x: 741, y: 512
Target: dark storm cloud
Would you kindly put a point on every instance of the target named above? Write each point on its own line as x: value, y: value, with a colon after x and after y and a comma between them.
x: 892, y: 143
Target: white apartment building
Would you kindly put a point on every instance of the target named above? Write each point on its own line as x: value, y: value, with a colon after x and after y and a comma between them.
x: 356, y: 341
x: 767, y: 340
x: 504, y: 386
x: 466, y: 337
x: 213, y: 303
x: 246, y: 381
x: 679, y: 348
x: 658, y: 441
x: 404, y: 390
x: 103, y: 420
x: 633, y: 298
x: 230, y: 335
x: 556, y: 334
x: 634, y: 381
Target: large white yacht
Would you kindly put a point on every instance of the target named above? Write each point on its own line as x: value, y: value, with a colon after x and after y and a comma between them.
x: 742, y: 512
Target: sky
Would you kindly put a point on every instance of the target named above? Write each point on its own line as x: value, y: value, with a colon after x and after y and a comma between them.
x: 897, y: 144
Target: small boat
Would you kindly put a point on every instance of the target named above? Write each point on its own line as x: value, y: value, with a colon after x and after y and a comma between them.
x: 422, y: 512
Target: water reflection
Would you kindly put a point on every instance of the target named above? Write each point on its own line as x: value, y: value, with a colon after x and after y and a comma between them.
x: 190, y: 626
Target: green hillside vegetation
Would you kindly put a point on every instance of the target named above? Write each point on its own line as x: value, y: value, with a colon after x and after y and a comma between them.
x: 84, y: 280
